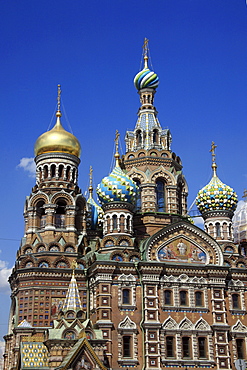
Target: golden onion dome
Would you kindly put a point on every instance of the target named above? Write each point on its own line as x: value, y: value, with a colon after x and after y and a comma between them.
x: 57, y: 140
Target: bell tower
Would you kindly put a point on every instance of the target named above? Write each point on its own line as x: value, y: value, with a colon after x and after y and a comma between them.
x: 149, y: 161
x: 55, y: 224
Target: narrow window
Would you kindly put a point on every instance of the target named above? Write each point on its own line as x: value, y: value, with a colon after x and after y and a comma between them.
x: 183, y: 298
x: 186, y: 347
x: 60, y: 214
x: 169, y: 346
x: 53, y: 170
x: 198, y: 299
x: 202, y: 347
x: 155, y: 136
x: 217, y: 225
x: 168, y: 297
x: 126, y: 296
x: 160, y: 196
x: 126, y: 346
x: 138, y: 138
x: 138, y: 195
x: 114, y: 223
x: 240, y: 348
x: 235, y: 301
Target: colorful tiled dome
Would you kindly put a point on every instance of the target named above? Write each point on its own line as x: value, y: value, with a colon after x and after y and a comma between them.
x: 216, y: 196
x: 116, y: 187
x: 146, y: 78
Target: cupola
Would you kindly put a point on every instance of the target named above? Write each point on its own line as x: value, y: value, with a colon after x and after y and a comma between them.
x: 57, y: 140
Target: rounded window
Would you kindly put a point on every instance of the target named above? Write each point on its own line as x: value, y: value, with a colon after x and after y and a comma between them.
x: 41, y: 249
x: 69, y: 249
x: 131, y: 156
x: 62, y: 265
x: 29, y: 264
x: 28, y: 250
x: 70, y: 335
x: 117, y: 257
x: 43, y: 264
x: 109, y: 243
x: 54, y: 248
x: 124, y: 243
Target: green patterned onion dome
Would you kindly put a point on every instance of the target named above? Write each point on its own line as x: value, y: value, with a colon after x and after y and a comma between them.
x: 146, y: 78
x: 216, y: 196
x: 116, y: 187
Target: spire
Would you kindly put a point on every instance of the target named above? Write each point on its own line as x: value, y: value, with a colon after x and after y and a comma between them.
x: 214, y: 165
x: 90, y: 189
x: 117, y: 156
x: 72, y: 300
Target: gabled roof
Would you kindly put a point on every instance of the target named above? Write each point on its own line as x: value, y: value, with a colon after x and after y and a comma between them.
x: 81, y: 345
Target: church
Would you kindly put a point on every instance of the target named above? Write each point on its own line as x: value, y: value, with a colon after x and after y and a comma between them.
x: 127, y: 280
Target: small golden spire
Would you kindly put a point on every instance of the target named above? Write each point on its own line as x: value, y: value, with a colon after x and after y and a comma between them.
x: 214, y: 165
x: 145, y: 53
x: 74, y: 266
x: 117, y: 156
x: 58, y: 114
x: 90, y: 189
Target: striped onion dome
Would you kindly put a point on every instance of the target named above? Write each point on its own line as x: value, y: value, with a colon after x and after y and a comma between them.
x: 146, y: 78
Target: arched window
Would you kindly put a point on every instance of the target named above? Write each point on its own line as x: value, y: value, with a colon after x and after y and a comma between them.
x: 155, y: 136
x: 217, y: 228
x: 126, y: 296
x: 127, y: 346
x: 138, y: 195
x: 138, y: 137
x: 160, y: 195
x: 235, y: 301
x: 68, y: 173
x: 183, y: 298
x: 41, y: 217
x: 168, y: 297
x: 114, y: 222
x: 60, y: 170
x: 240, y: 348
x: 186, y: 347
x: 60, y: 214
x: 202, y: 353
x: 45, y: 172
x: 198, y: 299
x: 53, y: 170
x: 170, y: 347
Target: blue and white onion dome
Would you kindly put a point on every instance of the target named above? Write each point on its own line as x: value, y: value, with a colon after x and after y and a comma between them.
x: 216, y: 196
x: 146, y: 78
x: 116, y: 187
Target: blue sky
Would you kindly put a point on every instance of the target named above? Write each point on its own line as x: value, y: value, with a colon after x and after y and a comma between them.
x: 93, y: 49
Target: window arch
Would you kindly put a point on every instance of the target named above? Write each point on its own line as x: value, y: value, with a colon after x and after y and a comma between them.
x: 155, y: 136
x: 160, y: 195
x: 198, y: 299
x: 138, y: 137
x: 235, y: 301
x: 126, y: 296
x: 60, y: 214
x: 41, y: 217
x: 168, y: 297
x: 183, y: 298
x: 217, y: 229
x: 114, y: 222
x: 138, y: 195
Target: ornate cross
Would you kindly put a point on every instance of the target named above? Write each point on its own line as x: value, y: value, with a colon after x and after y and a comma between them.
x: 58, y: 97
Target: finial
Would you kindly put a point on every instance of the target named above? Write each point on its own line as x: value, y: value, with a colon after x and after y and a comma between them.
x: 58, y: 100
x: 90, y: 189
x: 245, y: 195
x: 117, y: 156
x: 214, y: 165
x: 145, y: 53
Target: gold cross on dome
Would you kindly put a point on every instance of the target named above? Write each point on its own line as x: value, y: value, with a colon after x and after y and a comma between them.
x: 116, y: 139
x: 58, y: 97
x: 91, y: 175
x: 212, y: 150
x: 145, y: 47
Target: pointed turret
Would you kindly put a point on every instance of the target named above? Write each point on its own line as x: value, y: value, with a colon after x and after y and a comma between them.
x: 72, y: 300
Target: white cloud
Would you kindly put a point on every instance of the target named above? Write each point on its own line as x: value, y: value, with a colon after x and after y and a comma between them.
x: 28, y: 165
x: 4, y: 275
x: 2, y: 346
